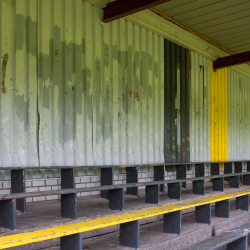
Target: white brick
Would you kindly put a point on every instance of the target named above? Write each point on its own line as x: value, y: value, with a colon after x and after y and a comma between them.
x: 51, y: 197
x: 6, y: 185
x: 5, y: 191
x: 51, y: 182
x: 82, y: 185
x: 29, y: 199
x: 77, y: 179
x: 115, y: 178
x: 56, y: 187
x: 85, y: 193
x: 38, y: 183
x: 44, y: 188
x: 1, y: 185
x: 117, y: 182
x: 95, y: 192
x: 32, y: 189
x: 95, y: 178
x: 90, y: 185
x: 122, y: 177
x: 28, y: 183
x: 85, y: 179
x: 40, y: 198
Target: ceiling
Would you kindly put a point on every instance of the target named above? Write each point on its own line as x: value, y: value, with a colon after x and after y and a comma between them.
x: 226, y: 22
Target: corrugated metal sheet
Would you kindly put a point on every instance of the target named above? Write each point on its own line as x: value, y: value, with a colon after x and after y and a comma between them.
x: 94, y: 91
x: 199, y: 109
x: 225, y: 22
x: 176, y: 99
x: 238, y: 116
x: 18, y: 97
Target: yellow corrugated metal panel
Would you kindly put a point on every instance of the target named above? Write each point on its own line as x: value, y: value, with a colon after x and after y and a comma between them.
x: 51, y: 233
x: 218, y: 114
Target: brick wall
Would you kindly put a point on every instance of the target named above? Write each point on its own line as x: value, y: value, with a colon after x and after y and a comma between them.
x: 45, y: 180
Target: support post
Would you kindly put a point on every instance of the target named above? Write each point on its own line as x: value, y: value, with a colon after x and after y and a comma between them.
x: 181, y: 173
x: 238, y: 168
x: 234, y: 181
x: 222, y: 209
x: 174, y: 190
x: 159, y: 175
x: 152, y: 194
x: 68, y: 201
x: 242, y: 203
x: 172, y: 223
x: 218, y: 184
x: 246, y: 179
x: 116, y: 199
x: 8, y: 214
x: 203, y: 214
x: 214, y: 169
x: 248, y: 166
x: 199, y: 187
x: 228, y: 169
x: 18, y: 186
x: 72, y: 242
x: 106, y: 179
x: 130, y: 234
x: 132, y: 177
x: 240, y: 244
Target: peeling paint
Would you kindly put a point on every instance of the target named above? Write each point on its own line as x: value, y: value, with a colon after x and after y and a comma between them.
x: 4, y: 66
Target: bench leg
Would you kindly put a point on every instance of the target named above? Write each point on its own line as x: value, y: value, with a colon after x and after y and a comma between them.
x: 67, y: 178
x: 242, y: 203
x: 106, y: 179
x: 228, y: 169
x: 174, y: 191
x: 218, y: 184
x: 130, y: 234
x: 132, y: 177
x: 222, y: 209
x: 198, y: 187
x: 234, y: 181
x: 18, y: 186
x: 8, y: 214
x: 159, y: 175
x: 238, y: 168
x: 203, y: 214
x: 240, y: 244
x: 172, y: 223
x: 152, y: 194
x: 181, y: 173
x: 246, y: 179
x: 69, y: 206
x: 72, y: 242
x: 214, y: 169
x: 116, y: 199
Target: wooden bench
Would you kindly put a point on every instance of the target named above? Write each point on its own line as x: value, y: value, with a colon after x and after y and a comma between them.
x: 70, y: 235
x: 234, y: 239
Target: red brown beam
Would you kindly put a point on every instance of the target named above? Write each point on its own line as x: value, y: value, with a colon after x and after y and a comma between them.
x: 122, y: 8
x: 232, y: 60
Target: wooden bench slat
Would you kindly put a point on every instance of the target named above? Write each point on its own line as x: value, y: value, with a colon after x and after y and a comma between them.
x: 51, y: 233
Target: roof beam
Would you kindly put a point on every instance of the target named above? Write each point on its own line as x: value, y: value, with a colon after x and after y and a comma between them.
x: 122, y: 8
x: 232, y: 60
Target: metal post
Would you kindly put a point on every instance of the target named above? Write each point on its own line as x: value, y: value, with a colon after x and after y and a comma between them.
x: 106, y: 179
x: 242, y: 203
x: 18, y: 186
x: 234, y: 181
x: 240, y: 244
x: 238, y: 168
x: 159, y: 175
x: 228, y: 169
x: 116, y: 199
x: 203, y: 214
x: 218, y: 184
x: 152, y: 194
x: 68, y: 201
x: 215, y: 168
x: 174, y: 190
x: 8, y: 214
x: 172, y: 223
x: 130, y: 234
x: 132, y: 177
x: 181, y: 173
x: 198, y: 186
x: 222, y: 209
x: 246, y: 179
x: 72, y: 242
x: 248, y: 166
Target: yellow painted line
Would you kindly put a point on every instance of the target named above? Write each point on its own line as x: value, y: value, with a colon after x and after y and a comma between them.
x: 218, y: 114
x: 56, y: 232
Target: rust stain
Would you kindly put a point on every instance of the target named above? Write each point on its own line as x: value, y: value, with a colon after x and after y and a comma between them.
x: 5, y: 60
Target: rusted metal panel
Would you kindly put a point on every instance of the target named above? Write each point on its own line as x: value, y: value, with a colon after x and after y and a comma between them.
x: 238, y: 116
x: 176, y: 102
x: 76, y: 91
x: 199, y: 109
